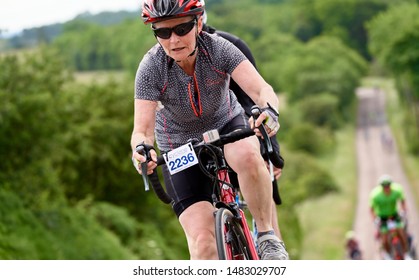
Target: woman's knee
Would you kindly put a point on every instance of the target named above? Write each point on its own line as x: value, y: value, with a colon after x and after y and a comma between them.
x: 205, y: 242
x: 198, y: 224
x: 244, y: 155
x: 202, y: 244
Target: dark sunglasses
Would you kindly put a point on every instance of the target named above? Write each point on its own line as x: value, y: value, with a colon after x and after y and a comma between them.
x: 180, y: 30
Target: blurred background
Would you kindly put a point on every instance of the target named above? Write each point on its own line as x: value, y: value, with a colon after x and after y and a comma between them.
x: 67, y: 186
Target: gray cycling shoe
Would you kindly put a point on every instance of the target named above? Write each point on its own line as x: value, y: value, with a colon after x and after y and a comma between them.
x: 271, y: 248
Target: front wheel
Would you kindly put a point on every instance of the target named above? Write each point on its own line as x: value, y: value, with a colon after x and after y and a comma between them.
x: 231, y: 241
x: 396, y: 248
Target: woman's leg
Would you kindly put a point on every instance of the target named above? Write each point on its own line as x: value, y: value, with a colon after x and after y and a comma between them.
x: 198, y: 224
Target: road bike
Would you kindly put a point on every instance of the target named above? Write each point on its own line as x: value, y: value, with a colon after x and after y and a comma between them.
x: 410, y: 238
x: 396, y: 246
x: 233, y: 237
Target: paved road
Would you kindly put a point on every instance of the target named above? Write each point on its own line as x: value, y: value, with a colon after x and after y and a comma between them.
x: 375, y: 158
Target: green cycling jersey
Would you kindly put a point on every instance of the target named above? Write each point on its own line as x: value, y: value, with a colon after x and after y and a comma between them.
x: 385, y: 205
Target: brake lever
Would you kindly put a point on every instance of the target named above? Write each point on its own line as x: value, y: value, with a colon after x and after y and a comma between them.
x: 143, y: 150
x: 256, y: 111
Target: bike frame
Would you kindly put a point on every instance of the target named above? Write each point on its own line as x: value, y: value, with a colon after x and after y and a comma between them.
x: 227, y: 195
x: 226, y: 192
x: 396, y: 244
x: 394, y: 240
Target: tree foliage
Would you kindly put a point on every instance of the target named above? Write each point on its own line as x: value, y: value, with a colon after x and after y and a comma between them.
x: 384, y: 43
x: 67, y: 156
x: 67, y: 181
x: 320, y: 110
x: 398, y: 52
x: 325, y: 64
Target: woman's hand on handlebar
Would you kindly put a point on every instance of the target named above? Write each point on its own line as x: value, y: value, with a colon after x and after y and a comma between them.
x: 269, y: 118
x: 137, y: 159
x: 254, y: 124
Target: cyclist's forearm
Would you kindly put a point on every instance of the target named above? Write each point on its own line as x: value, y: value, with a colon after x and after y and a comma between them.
x: 139, y: 138
x: 257, y: 88
x: 144, y: 122
x: 267, y: 95
x: 372, y: 213
x: 403, y: 206
x: 264, y: 96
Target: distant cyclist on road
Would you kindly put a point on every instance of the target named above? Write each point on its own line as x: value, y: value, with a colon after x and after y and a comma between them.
x: 384, y: 202
x: 352, y: 246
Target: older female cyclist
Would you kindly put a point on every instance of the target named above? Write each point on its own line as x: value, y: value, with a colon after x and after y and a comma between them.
x: 181, y: 91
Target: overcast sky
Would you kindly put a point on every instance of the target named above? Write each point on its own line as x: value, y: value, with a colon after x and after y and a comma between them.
x: 16, y: 15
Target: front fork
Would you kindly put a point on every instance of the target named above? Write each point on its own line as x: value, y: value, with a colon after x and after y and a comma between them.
x: 228, y: 196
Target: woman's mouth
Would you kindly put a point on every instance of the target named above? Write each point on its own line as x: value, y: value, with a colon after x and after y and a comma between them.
x: 177, y: 49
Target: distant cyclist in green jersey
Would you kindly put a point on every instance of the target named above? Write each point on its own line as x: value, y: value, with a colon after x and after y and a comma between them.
x: 384, y: 202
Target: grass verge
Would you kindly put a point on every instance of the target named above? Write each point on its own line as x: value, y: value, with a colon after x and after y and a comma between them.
x: 326, y: 220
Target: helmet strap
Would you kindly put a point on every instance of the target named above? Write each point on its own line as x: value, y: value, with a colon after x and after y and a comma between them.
x: 194, y: 50
x: 196, y: 39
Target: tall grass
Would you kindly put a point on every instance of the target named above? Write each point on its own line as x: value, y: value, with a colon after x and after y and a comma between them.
x: 326, y: 220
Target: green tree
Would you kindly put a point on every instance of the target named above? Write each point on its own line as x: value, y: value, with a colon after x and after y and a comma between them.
x: 325, y: 65
x: 310, y: 139
x: 88, y: 47
x: 346, y: 20
x: 399, y: 54
x: 271, y: 52
x: 320, y: 110
x: 67, y: 185
x: 36, y: 222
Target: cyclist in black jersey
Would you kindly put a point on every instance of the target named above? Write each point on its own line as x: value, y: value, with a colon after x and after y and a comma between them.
x: 247, y: 104
x: 181, y: 91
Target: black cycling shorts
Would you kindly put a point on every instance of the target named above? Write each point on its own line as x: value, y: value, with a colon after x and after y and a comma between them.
x: 192, y: 185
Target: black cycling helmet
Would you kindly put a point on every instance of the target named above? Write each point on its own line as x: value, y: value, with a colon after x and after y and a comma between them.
x: 156, y: 10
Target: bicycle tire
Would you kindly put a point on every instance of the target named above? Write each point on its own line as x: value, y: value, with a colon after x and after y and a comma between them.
x: 396, y: 249
x: 231, y: 241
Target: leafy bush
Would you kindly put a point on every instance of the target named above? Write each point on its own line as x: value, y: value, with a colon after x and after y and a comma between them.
x: 308, y: 138
x: 53, y: 233
x: 320, y: 110
x: 306, y: 179
x: 114, y: 218
x: 303, y: 179
x: 63, y: 143
x: 324, y: 65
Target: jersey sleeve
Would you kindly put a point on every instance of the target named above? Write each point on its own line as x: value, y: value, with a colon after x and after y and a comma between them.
x: 148, y: 81
x: 399, y: 189
x: 372, y: 197
x: 228, y: 55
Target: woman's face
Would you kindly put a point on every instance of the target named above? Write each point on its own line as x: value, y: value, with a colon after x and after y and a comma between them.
x: 179, y: 47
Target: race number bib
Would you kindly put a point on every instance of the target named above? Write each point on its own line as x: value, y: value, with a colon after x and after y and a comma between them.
x: 180, y: 159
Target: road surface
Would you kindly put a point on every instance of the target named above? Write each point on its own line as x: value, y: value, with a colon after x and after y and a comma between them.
x: 376, y: 155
